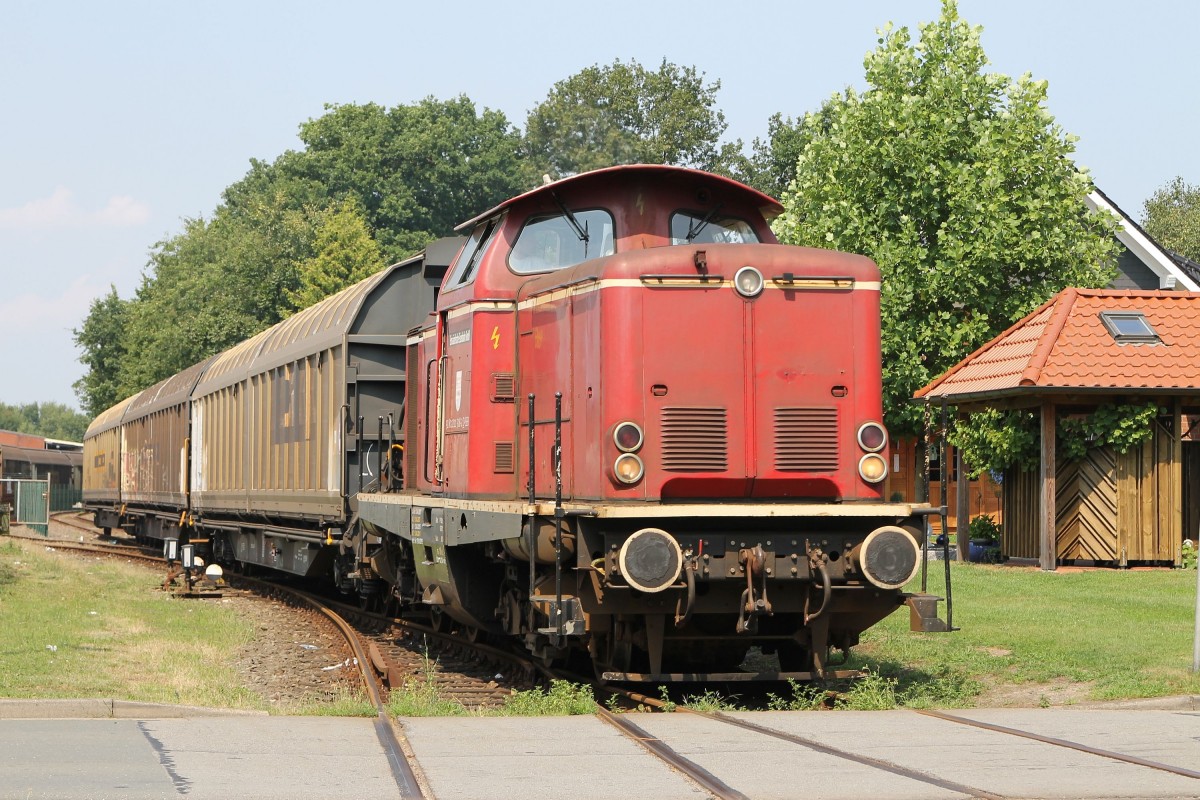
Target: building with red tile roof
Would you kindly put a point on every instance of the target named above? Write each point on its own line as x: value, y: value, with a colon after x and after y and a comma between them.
x: 1083, y: 349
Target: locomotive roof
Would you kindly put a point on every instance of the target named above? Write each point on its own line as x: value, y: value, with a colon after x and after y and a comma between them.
x: 768, y: 205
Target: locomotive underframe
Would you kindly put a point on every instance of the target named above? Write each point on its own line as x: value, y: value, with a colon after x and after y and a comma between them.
x: 754, y: 575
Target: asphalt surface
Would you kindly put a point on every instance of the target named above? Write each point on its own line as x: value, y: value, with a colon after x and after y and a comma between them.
x: 100, y: 750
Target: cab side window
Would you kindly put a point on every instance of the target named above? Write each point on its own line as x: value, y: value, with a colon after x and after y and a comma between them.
x: 551, y: 242
x: 467, y: 263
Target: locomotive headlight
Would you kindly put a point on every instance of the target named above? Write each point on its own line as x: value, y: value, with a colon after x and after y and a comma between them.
x: 628, y: 437
x: 872, y: 437
x: 872, y: 468
x: 748, y: 281
x: 628, y: 468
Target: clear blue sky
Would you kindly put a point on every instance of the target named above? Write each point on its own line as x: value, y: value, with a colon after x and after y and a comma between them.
x: 122, y: 118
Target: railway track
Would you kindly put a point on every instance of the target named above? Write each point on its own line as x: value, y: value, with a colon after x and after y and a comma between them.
x: 392, y: 653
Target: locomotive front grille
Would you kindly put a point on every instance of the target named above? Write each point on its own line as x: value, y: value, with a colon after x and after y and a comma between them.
x: 806, y: 439
x: 695, y: 439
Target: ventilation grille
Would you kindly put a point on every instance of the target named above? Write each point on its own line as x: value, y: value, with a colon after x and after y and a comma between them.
x: 504, y: 387
x: 695, y: 440
x: 505, y: 459
x: 806, y: 439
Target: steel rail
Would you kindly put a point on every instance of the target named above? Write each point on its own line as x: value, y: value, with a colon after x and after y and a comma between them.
x: 877, y: 763
x: 385, y: 730
x: 709, y: 782
x: 1082, y: 748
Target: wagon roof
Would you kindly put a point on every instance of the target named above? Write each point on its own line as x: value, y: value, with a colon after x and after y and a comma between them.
x: 312, y: 330
x: 1065, y: 346
x: 110, y: 417
x: 175, y: 390
x: 769, y: 206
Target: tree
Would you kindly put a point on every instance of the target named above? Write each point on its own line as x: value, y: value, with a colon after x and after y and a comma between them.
x: 416, y: 171
x: 51, y: 420
x: 623, y: 113
x: 345, y: 255
x: 1172, y: 217
x: 102, y: 340
x: 960, y: 185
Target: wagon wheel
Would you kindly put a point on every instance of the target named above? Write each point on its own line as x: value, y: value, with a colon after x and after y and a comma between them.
x: 438, y: 620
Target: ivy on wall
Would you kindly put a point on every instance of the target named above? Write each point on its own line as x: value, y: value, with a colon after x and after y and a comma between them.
x: 996, y: 440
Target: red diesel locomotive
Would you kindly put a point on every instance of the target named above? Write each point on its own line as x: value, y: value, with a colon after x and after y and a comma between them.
x: 630, y: 423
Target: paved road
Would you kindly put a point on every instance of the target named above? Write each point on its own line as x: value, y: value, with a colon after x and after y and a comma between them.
x: 128, y: 751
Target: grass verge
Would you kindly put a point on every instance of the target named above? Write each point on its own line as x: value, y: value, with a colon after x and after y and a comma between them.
x: 1044, y: 638
x: 78, y: 628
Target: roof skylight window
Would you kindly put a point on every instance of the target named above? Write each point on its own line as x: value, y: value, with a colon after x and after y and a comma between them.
x: 1129, y: 327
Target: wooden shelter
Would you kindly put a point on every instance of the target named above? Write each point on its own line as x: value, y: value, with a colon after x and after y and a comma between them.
x: 1084, y: 350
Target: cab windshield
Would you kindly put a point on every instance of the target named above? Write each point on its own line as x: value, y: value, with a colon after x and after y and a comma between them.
x: 690, y: 227
x: 552, y: 242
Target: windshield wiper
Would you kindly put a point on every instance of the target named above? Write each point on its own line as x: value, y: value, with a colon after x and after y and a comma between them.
x: 694, y: 230
x: 580, y: 230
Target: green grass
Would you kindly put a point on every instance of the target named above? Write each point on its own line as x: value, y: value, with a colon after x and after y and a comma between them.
x: 1110, y: 634
x: 74, y: 628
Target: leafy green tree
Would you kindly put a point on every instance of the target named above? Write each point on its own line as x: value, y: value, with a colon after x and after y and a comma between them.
x: 772, y: 166
x: 215, y: 284
x: 1172, y: 217
x: 960, y: 185
x: 623, y: 113
x: 416, y: 170
x: 51, y: 420
x: 345, y: 255
x: 102, y: 340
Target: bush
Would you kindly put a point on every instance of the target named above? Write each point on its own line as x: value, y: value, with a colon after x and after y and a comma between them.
x: 984, y: 529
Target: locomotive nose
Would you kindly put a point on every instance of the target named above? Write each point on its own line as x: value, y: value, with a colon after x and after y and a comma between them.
x: 650, y: 560
x: 888, y: 557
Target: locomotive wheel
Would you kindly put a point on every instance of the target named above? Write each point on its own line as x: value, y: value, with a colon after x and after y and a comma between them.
x: 611, y: 656
x: 439, y: 621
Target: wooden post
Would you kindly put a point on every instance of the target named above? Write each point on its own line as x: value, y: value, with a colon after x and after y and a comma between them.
x: 962, y: 511
x: 1049, y: 542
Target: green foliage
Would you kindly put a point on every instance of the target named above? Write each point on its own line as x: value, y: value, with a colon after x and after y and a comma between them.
x: 994, y: 441
x: 51, y: 420
x: 416, y: 170
x: 623, y: 113
x: 960, y: 185
x: 1172, y: 217
x: 1189, y: 554
x: 1121, y: 427
x: 711, y: 700
x: 984, y: 529
x: 771, y: 167
x: 345, y: 255
x: 101, y: 337
x: 563, y: 698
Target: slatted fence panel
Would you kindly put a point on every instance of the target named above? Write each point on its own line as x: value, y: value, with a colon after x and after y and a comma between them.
x: 1085, y: 506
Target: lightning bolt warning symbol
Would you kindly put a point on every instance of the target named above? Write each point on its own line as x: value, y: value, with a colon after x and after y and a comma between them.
x: 496, y: 337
